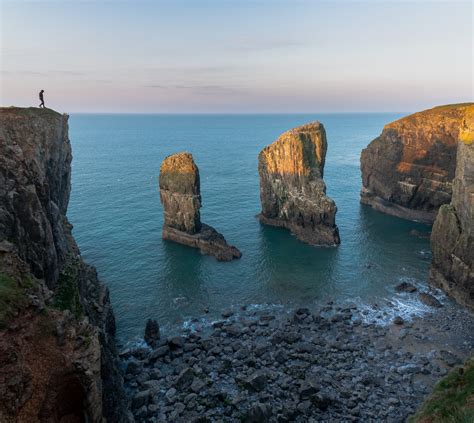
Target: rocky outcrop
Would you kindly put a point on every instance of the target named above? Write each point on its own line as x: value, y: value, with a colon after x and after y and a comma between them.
x: 57, y: 348
x: 452, y: 238
x: 407, y: 170
x: 180, y: 195
x: 292, y: 190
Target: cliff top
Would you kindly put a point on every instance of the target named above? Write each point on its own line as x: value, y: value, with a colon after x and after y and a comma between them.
x: 297, y: 151
x: 27, y: 112
x: 446, y: 113
x: 466, y: 133
x: 179, y: 163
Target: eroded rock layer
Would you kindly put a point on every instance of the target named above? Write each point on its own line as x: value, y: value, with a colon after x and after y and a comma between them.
x: 452, y: 238
x: 180, y: 196
x: 57, y: 352
x: 292, y: 190
x: 407, y: 170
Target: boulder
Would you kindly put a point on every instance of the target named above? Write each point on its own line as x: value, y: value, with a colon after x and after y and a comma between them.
x: 152, y: 332
x: 292, y: 190
x: 452, y: 237
x: 408, y: 169
x: 180, y: 195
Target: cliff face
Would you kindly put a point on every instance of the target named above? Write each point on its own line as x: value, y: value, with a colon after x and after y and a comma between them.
x: 292, y: 190
x: 56, y: 326
x: 407, y: 170
x: 180, y: 196
x: 452, y: 238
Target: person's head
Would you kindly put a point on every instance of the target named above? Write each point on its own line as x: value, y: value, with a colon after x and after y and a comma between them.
x: 42, y: 91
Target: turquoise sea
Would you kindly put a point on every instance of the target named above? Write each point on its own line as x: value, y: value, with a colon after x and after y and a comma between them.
x: 117, y: 217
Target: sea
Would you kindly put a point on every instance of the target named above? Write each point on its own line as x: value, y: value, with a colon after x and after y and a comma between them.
x: 117, y: 216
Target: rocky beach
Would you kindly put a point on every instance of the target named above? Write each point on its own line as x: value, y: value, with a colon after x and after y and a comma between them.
x: 330, y: 363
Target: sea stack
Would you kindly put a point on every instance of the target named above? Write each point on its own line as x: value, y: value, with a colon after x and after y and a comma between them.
x: 452, y: 238
x: 408, y: 169
x: 180, y: 195
x: 292, y: 190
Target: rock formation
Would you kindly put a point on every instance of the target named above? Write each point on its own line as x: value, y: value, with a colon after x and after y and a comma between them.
x: 452, y: 238
x: 58, y: 360
x: 407, y: 170
x: 180, y: 195
x: 292, y: 190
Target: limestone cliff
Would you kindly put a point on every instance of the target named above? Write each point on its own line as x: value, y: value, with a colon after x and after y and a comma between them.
x: 180, y: 195
x: 452, y: 238
x: 57, y: 351
x: 292, y: 190
x: 407, y: 170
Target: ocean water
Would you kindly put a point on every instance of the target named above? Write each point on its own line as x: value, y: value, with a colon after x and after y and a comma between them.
x: 117, y: 217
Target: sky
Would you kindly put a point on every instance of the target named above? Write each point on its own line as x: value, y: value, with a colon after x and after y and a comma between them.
x: 222, y: 56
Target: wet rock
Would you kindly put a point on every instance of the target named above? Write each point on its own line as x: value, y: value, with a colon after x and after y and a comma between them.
x: 292, y: 190
x: 405, y: 287
x: 184, y: 379
x: 429, y: 300
x: 152, y: 332
x: 180, y: 195
x: 398, y: 320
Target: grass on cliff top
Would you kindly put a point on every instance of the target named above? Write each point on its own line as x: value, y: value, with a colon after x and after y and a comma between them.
x: 12, y: 298
x: 452, y: 399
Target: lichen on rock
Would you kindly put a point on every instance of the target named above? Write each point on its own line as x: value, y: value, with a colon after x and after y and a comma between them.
x: 407, y: 170
x: 292, y: 189
x: 180, y: 195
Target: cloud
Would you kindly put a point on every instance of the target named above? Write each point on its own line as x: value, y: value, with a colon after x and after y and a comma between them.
x: 248, y: 43
x: 215, y: 89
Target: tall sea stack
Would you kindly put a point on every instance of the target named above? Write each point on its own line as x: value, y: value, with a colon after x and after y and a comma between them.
x: 180, y: 195
x: 407, y: 170
x: 292, y: 190
x: 58, y: 360
x: 452, y: 238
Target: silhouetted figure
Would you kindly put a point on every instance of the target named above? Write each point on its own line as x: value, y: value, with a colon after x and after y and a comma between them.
x: 41, y: 98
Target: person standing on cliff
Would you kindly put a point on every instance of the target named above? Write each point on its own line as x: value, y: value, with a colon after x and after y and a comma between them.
x: 41, y: 98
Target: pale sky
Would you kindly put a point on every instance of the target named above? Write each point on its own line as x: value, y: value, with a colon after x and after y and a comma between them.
x: 218, y: 56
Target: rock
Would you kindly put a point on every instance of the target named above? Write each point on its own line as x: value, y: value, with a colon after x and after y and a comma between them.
x: 398, y: 320
x: 429, y: 300
x: 180, y: 196
x: 405, y: 287
x: 36, y: 245
x: 407, y: 170
x: 256, y: 381
x: 184, y: 379
x: 159, y: 352
x: 452, y: 238
x: 292, y: 190
x: 176, y: 342
x: 259, y: 413
x: 152, y: 332
x: 141, y: 399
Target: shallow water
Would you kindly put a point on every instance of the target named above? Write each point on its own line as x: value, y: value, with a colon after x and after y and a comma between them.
x: 117, y: 217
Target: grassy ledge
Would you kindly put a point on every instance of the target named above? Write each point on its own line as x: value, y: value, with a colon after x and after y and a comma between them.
x: 13, y: 296
x: 452, y: 399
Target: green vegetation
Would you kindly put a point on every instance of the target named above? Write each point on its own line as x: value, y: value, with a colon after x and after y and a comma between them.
x: 12, y: 297
x: 67, y: 293
x: 452, y: 400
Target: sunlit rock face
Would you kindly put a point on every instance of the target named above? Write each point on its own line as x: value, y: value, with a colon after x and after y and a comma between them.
x: 180, y: 193
x: 292, y: 190
x: 452, y: 238
x: 407, y: 170
x: 180, y: 196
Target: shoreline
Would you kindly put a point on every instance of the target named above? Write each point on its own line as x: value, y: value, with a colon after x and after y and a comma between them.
x: 328, y: 363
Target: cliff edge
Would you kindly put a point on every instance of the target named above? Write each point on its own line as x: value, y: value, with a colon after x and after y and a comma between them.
x: 57, y: 347
x: 452, y: 238
x: 408, y: 169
